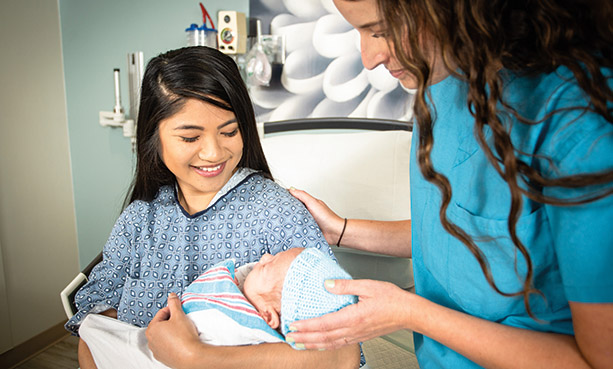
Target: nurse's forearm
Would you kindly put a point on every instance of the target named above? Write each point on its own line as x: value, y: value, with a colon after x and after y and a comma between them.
x: 274, y: 355
x: 383, y: 237
x: 493, y: 345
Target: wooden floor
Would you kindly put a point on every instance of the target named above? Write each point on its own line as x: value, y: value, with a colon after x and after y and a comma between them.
x: 382, y: 354
x: 62, y: 355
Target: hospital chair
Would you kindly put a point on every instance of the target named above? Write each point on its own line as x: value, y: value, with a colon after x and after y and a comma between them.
x: 359, y: 167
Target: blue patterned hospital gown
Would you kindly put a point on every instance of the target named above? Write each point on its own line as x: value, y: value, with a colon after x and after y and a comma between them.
x: 156, y: 247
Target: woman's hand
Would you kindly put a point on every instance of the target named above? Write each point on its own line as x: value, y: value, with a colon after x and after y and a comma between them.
x: 382, y: 308
x: 382, y: 237
x: 331, y: 224
x: 171, y: 336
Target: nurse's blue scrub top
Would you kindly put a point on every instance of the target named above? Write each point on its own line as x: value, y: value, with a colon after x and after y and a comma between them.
x: 571, y: 247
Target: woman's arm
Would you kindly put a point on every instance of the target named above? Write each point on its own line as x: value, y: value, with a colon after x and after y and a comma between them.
x: 106, y: 280
x: 86, y: 360
x: 269, y: 355
x: 173, y: 339
x: 493, y: 345
x: 593, y: 324
x: 91, y: 296
x: 383, y: 237
x: 384, y: 308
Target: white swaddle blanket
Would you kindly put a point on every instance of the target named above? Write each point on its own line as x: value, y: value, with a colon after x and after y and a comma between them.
x: 220, y: 311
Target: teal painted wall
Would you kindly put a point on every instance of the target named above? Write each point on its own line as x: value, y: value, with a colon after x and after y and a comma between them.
x: 96, y: 38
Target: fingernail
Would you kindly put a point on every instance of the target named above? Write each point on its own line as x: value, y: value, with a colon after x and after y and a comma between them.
x: 300, y: 346
x: 322, y: 349
x: 289, y: 340
x: 292, y: 188
x: 329, y: 283
x: 292, y: 329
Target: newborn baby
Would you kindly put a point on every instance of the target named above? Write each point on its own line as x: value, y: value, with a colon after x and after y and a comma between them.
x: 278, y: 290
x: 281, y: 288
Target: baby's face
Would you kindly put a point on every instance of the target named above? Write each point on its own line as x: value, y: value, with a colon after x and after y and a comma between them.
x: 265, y: 281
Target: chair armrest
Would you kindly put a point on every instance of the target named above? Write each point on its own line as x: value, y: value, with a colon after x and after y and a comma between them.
x: 68, y: 293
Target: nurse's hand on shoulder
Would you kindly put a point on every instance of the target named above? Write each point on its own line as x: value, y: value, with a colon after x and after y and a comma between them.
x: 382, y: 308
x: 171, y: 336
x: 328, y: 221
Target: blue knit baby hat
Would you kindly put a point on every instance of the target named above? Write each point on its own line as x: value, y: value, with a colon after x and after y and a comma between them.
x: 304, y: 295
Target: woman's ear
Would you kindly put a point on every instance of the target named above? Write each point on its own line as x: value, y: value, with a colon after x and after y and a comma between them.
x: 271, y: 317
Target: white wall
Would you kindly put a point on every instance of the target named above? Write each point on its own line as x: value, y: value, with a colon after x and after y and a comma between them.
x: 38, y: 240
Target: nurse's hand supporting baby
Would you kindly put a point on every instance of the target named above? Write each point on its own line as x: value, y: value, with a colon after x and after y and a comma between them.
x: 382, y: 308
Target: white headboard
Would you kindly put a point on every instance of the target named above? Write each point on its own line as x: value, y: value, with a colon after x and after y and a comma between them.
x: 360, y: 168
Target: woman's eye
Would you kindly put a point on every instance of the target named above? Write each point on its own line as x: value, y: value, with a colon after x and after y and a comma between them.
x: 381, y: 33
x: 230, y: 134
x: 190, y: 139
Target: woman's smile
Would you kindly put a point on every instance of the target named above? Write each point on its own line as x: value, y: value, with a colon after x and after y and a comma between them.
x: 210, y: 171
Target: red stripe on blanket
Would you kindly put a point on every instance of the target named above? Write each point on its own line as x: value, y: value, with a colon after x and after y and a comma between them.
x: 245, y: 309
x: 205, y: 278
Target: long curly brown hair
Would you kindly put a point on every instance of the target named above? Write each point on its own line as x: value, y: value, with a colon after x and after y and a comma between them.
x: 478, y: 39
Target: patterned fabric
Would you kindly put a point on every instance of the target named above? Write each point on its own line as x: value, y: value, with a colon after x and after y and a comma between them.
x: 220, y: 311
x: 304, y: 295
x: 156, y: 248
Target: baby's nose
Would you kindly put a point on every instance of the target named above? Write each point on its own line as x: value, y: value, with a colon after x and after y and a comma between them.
x: 265, y: 257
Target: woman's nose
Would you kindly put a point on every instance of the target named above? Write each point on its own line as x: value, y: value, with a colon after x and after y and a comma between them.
x: 373, y: 51
x: 210, y: 150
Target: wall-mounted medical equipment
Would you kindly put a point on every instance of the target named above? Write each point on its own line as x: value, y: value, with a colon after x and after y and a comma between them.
x: 258, y: 68
x: 264, y: 62
x: 232, y: 37
x: 136, y: 69
x: 117, y: 117
x: 202, y: 35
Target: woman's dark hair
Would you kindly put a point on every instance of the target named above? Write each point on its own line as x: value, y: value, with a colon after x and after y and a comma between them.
x: 170, y: 79
x: 478, y: 41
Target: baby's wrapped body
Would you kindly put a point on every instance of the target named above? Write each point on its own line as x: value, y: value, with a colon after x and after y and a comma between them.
x: 222, y: 314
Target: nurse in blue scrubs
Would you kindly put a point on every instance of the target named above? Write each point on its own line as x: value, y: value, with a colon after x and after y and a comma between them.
x: 511, y: 186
